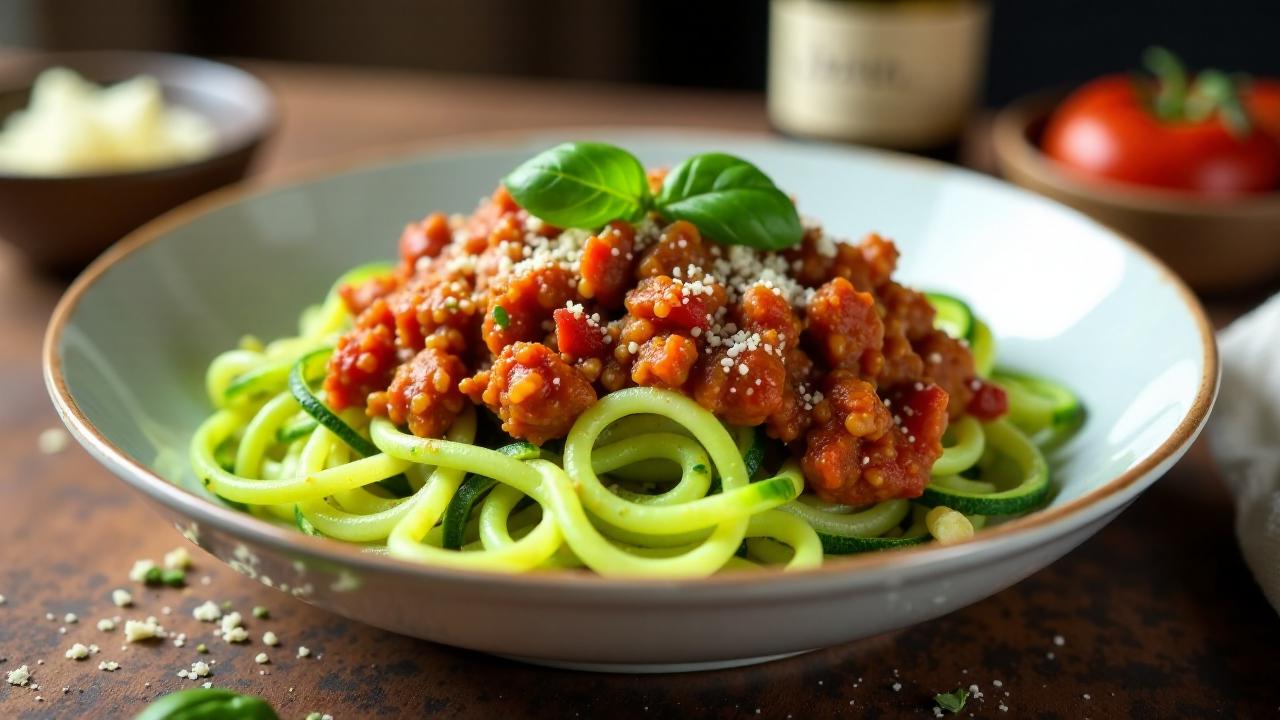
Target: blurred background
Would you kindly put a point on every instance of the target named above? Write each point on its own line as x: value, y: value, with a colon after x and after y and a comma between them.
x: 709, y: 43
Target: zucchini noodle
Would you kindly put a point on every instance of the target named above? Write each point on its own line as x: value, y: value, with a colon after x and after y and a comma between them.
x: 648, y: 482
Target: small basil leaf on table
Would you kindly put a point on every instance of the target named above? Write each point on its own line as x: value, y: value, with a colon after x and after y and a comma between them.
x: 731, y: 201
x: 207, y: 704
x: 582, y: 185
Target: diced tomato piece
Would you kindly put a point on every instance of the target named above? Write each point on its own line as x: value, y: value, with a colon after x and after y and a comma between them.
x: 424, y: 239
x: 989, y: 401
x: 661, y: 301
x: 575, y: 336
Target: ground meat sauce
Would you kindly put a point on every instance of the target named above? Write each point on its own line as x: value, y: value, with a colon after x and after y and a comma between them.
x: 818, y: 345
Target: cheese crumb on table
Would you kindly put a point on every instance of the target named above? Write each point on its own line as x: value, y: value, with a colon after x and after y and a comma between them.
x: 106, y: 624
x: 109, y: 665
x: 269, y: 638
x: 138, y: 573
x: 19, y: 676
x: 231, y: 621
x: 77, y: 652
x: 138, y: 630
x: 177, y: 559
x: 121, y: 597
x: 208, y: 612
x: 52, y: 441
x: 262, y: 659
x: 303, y: 651
x: 199, y: 668
x: 70, y: 618
x: 2, y: 600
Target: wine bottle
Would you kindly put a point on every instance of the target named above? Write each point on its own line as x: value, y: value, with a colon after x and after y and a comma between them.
x: 893, y: 73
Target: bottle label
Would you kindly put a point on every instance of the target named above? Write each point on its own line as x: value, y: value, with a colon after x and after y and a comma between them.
x: 902, y: 75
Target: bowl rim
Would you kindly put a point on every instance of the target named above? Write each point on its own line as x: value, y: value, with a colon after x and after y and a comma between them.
x: 244, y: 526
x: 1012, y: 148
x: 265, y: 117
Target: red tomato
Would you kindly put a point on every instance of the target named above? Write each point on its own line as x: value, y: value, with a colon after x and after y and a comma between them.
x: 1103, y: 129
x: 1263, y: 104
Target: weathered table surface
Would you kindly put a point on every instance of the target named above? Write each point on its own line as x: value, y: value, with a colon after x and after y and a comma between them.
x: 1154, y: 617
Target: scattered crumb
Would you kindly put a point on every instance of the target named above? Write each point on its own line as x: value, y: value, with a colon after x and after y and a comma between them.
x: 303, y: 651
x: 136, y: 631
x: 121, y: 597
x: 269, y: 638
x: 93, y: 649
x: 262, y: 659
x: 62, y: 630
x: 77, y: 652
x: 202, y: 648
x: 1087, y: 696
x: 52, y: 441
x: 140, y: 569
x: 106, y: 624
x: 19, y: 676
x: 897, y: 686
x: 2, y: 600
x: 109, y: 665
x: 1049, y: 655
x: 1059, y: 640
x: 48, y: 616
x: 70, y: 618
x: 231, y: 621
x: 208, y: 612
x: 206, y: 580
x: 199, y: 668
x: 180, y: 640
x: 166, y: 610
x: 177, y: 559
x: 236, y: 635
x: 260, y: 612
x: 997, y: 683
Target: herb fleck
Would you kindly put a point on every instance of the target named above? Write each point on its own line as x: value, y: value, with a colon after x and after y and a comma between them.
x: 500, y: 317
x: 953, y: 701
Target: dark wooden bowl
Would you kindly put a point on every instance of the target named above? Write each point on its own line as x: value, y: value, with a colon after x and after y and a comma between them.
x: 1214, y: 244
x: 61, y: 223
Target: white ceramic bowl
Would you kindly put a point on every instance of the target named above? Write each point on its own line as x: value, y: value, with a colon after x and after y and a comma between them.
x: 128, y: 345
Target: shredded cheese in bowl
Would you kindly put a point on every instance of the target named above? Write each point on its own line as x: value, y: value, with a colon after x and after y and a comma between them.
x: 73, y: 126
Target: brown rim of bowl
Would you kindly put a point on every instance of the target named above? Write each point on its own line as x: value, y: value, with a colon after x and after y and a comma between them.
x: 242, y: 525
x: 1014, y: 147
x: 265, y: 120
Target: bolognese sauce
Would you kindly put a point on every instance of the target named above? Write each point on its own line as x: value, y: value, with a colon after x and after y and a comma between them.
x: 818, y: 345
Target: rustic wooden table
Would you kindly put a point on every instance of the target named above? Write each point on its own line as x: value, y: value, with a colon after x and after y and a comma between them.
x: 1154, y: 617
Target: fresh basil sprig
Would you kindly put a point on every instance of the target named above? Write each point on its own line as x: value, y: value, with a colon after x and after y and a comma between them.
x: 585, y: 185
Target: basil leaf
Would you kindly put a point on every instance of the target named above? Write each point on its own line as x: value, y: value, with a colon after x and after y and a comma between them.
x: 582, y: 185
x: 207, y: 704
x: 953, y: 701
x: 731, y: 201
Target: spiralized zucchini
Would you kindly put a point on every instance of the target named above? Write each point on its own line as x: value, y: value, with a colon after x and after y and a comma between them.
x: 649, y: 483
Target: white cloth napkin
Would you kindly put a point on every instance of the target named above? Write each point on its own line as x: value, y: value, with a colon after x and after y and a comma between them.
x: 1245, y: 438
